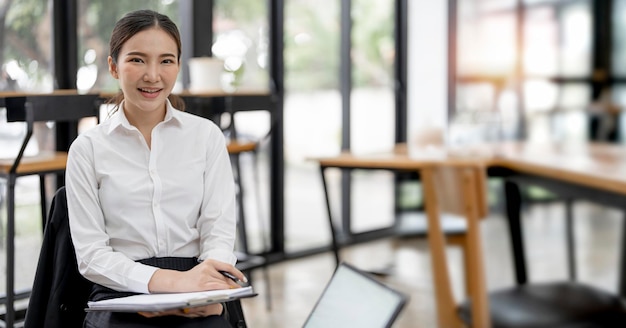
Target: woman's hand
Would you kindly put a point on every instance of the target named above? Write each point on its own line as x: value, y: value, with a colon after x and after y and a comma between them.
x: 204, y: 276
x: 194, y: 312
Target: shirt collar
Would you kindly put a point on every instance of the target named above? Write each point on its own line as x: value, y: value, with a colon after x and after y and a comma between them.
x: 119, y: 119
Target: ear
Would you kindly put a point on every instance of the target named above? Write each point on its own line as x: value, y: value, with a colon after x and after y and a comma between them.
x: 112, y: 67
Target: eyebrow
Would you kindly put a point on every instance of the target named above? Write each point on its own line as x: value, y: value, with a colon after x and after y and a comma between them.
x: 138, y: 53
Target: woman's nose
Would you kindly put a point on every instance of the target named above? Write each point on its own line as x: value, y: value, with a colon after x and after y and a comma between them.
x: 152, y: 74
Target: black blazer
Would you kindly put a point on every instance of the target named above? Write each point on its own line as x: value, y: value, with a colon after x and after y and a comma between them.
x: 59, y: 295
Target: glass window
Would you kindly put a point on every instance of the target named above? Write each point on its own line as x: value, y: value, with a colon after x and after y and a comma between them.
x: 619, y: 38
x: 575, y: 96
x: 541, y: 41
x: 240, y: 38
x: 540, y: 95
x: 557, y: 46
x: 26, y: 62
x: 486, y: 46
x: 26, y: 47
x: 537, y: 2
x: 312, y: 119
x: 575, y: 23
x: 372, y: 112
x: 493, y: 5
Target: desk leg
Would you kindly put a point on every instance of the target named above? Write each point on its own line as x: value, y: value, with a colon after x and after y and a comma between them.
x: 513, y: 208
x: 10, y: 254
x: 570, y: 238
x: 333, y: 234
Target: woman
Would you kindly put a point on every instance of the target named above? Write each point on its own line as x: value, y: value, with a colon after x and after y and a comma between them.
x: 151, y: 195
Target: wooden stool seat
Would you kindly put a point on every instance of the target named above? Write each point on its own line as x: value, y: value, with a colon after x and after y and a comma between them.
x: 238, y: 147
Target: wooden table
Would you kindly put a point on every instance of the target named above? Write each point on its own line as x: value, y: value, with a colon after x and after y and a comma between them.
x: 591, y: 171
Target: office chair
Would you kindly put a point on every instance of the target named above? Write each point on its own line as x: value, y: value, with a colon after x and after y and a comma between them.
x: 459, y: 188
x: 60, y: 293
x: 62, y: 106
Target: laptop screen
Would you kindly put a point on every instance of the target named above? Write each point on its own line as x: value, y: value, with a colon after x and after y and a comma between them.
x: 354, y: 299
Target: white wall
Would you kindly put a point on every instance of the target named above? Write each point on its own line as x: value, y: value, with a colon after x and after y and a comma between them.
x: 427, y: 65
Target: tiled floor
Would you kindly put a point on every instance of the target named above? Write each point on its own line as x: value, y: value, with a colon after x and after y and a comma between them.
x: 296, y: 284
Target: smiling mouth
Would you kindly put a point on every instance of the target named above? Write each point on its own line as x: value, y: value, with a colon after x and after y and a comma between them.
x: 149, y: 90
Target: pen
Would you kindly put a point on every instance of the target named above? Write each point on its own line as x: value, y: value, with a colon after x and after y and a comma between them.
x: 233, y: 278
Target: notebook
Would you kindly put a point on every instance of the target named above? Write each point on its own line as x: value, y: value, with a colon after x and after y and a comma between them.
x: 164, y: 302
x: 353, y: 298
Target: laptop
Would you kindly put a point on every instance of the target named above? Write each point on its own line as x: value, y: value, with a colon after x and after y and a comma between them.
x: 353, y: 298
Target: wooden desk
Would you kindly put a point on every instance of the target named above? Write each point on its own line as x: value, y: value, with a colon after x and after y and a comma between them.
x: 591, y: 171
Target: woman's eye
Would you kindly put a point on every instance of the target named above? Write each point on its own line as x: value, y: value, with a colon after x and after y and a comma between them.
x: 168, y: 61
x: 136, y: 60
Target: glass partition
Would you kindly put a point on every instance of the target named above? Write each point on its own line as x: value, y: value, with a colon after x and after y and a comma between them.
x: 372, y: 113
x: 25, y: 46
x: 535, y: 82
x: 312, y: 118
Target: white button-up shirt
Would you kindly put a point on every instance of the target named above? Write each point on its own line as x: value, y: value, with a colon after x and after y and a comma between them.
x: 127, y: 201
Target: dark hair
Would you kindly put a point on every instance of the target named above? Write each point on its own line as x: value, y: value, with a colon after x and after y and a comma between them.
x: 133, y: 23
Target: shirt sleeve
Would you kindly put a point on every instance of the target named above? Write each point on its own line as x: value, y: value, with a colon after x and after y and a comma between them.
x: 97, y: 261
x: 217, y: 222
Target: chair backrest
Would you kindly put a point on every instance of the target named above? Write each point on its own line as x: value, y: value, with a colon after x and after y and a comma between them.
x: 458, y: 188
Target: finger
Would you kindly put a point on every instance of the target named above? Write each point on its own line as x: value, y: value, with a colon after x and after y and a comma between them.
x: 235, y: 272
x: 213, y: 285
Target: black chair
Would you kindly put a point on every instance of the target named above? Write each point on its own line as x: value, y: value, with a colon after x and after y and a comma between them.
x: 60, y: 293
x: 62, y: 106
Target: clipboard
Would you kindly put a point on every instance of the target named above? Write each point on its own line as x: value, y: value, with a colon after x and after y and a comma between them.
x: 169, y: 301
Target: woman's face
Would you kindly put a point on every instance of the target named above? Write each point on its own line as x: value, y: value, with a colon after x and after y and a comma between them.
x: 147, y: 67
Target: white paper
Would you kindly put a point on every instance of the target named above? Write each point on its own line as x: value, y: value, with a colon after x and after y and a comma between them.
x: 161, y: 302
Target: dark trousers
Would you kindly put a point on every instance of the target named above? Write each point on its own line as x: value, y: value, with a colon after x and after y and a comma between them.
x: 102, y: 319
